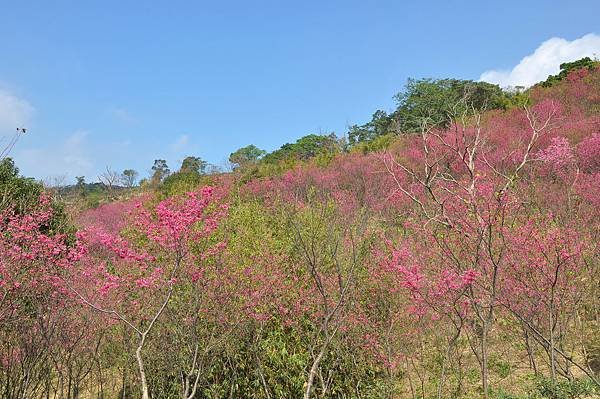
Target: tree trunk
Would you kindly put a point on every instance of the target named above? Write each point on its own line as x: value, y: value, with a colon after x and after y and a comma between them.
x: 484, y: 360
x: 313, y: 371
x: 552, y: 357
x: 138, y: 356
x: 530, y: 352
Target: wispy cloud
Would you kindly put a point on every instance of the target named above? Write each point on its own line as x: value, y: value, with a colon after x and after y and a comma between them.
x: 15, y: 112
x: 71, y: 158
x: 544, y: 61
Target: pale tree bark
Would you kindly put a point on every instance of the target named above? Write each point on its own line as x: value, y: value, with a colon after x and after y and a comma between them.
x: 438, y: 184
x: 142, y: 333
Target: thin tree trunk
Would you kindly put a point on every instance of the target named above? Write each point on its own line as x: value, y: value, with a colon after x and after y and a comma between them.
x: 444, y: 361
x: 313, y: 371
x: 529, y: 349
x: 124, y: 381
x: 552, y: 359
x: 138, y: 356
x: 541, y: 337
x: 484, y: 360
x: 410, y: 383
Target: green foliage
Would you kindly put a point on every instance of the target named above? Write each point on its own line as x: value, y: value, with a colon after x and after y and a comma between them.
x: 304, y: 148
x: 194, y: 165
x: 381, y: 124
x: 501, y: 394
x: 379, y: 143
x: 429, y: 102
x: 191, y: 174
x: 17, y: 191
x: 246, y: 156
x: 80, y: 181
x: 500, y: 366
x: 270, y: 354
x: 320, y: 148
x: 160, y: 170
x: 579, y: 388
x: 425, y: 103
x: 91, y: 194
x: 23, y: 193
x: 128, y: 177
x: 546, y: 389
x: 284, y: 361
x: 517, y: 98
x: 568, y: 67
x: 272, y: 167
x: 180, y: 182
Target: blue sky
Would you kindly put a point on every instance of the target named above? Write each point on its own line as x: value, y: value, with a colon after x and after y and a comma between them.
x: 120, y: 83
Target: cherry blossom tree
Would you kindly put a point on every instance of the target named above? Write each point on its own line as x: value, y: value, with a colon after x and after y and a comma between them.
x: 461, y: 185
x: 132, y: 277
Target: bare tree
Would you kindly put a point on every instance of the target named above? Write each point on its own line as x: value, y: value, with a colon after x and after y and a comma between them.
x: 109, y: 179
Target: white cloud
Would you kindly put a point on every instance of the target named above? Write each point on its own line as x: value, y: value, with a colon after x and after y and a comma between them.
x: 70, y: 157
x: 14, y: 112
x: 545, y: 61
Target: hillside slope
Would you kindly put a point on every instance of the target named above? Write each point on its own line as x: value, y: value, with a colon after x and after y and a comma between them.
x: 457, y: 260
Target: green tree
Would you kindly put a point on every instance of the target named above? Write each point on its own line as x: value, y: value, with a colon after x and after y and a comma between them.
x: 567, y: 67
x: 305, y: 148
x: 429, y: 102
x: 17, y: 191
x: 246, y: 155
x: 80, y: 185
x: 160, y: 170
x: 23, y: 194
x: 381, y: 124
x: 193, y: 165
x: 189, y: 176
x: 434, y: 102
x: 129, y: 177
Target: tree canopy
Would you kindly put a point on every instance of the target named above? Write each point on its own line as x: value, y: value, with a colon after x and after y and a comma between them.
x: 246, y: 155
x: 22, y: 195
x: 429, y: 102
x: 160, y: 170
x: 567, y: 67
x: 192, y: 164
x: 305, y: 148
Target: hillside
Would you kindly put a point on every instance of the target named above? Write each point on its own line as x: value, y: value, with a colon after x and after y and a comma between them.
x: 446, y: 249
